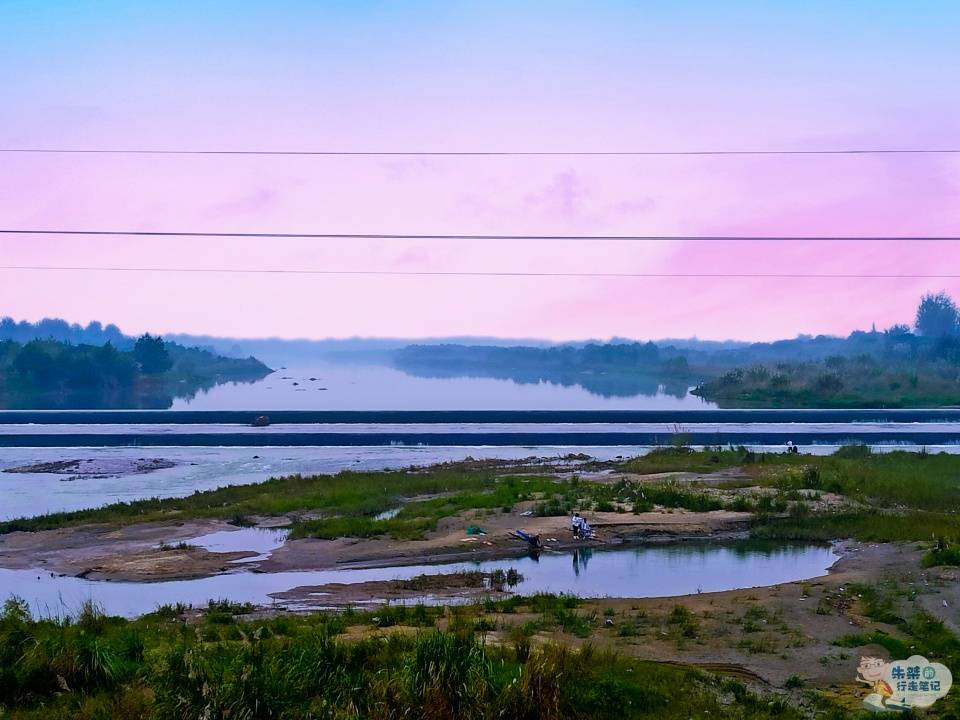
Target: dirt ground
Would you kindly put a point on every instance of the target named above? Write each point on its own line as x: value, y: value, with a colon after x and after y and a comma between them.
x: 131, y: 552
x: 141, y: 552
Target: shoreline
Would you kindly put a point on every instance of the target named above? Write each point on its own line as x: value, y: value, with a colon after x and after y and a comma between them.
x: 130, y: 553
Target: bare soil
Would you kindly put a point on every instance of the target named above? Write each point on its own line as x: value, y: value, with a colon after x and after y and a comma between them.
x: 130, y: 552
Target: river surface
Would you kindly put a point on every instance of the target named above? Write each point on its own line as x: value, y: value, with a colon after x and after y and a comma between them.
x: 646, y: 571
x: 335, y: 386
x: 24, y: 494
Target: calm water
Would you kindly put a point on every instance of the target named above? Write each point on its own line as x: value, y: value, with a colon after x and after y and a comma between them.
x: 650, y: 571
x: 373, y: 387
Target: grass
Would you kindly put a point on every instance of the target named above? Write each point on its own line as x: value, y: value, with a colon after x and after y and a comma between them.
x: 942, y: 556
x: 837, y: 382
x: 681, y: 458
x: 347, y: 501
x: 892, y: 480
x: 416, y: 518
x: 866, y: 526
x: 895, y: 496
x: 299, y: 667
x: 913, y: 631
x: 924, y: 635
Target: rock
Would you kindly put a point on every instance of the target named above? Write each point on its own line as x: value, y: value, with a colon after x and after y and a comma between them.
x: 261, y: 421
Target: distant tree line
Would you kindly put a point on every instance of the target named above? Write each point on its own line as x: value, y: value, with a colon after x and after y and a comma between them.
x: 902, y: 366
x: 94, y: 333
x: 640, y: 357
x: 87, y: 375
x: 48, y: 364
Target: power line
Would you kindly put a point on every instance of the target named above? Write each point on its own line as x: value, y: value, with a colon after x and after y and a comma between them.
x: 483, y: 153
x: 479, y: 273
x: 465, y: 236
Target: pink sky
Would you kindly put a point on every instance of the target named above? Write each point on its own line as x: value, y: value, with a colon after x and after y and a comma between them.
x: 540, y: 77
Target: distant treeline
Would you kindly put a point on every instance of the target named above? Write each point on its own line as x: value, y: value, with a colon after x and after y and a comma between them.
x: 56, y: 374
x: 95, y: 333
x: 904, y: 365
x: 609, y: 370
x: 899, y: 367
x: 645, y: 356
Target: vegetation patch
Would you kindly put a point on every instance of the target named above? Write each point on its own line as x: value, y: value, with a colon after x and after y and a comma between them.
x: 299, y: 667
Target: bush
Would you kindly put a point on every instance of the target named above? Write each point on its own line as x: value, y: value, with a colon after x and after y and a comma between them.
x: 941, y: 556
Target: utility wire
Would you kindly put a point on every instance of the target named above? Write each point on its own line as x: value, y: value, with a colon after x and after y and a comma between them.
x: 472, y: 273
x: 483, y: 153
x: 464, y: 236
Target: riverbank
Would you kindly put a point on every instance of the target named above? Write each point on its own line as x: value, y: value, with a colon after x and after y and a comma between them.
x: 470, y: 510
x: 788, y: 651
x: 397, y: 557
x: 422, y: 514
x: 167, y: 550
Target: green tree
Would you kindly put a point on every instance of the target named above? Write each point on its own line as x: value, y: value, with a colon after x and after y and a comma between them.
x: 152, y: 354
x: 937, y: 316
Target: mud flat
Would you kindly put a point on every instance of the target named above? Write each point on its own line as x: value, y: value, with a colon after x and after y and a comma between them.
x: 131, y: 552
x: 79, y: 469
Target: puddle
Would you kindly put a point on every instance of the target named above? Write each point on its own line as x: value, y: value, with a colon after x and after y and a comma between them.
x: 646, y: 571
x: 388, y: 514
x: 262, y: 541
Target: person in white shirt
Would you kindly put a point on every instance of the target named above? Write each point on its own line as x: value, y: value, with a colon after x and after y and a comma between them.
x: 576, y: 524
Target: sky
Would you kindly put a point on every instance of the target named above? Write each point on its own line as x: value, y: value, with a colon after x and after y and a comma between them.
x: 548, y: 75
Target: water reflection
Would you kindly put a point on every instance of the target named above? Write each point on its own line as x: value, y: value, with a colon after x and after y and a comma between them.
x: 333, y: 386
x: 645, y: 571
x: 581, y: 556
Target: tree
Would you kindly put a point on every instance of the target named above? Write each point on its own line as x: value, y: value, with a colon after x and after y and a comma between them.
x: 937, y: 316
x: 898, y: 331
x: 152, y: 354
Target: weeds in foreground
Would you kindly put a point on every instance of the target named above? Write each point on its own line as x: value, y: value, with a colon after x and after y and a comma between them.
x: 297, y: 668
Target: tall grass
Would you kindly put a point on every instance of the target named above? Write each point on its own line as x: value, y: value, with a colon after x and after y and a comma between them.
x: 298, y: 667
x: 866, y: 525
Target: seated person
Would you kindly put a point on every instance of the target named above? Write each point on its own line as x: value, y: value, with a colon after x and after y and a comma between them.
x: 576, y: 523
x: 535, y: 541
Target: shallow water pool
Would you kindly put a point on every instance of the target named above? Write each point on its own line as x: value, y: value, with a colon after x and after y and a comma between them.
x: 644, y: 571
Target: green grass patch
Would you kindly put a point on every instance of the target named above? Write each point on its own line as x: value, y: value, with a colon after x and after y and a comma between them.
x: 300, y: 667
x: 942, y: 556
x: 867, y: 526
